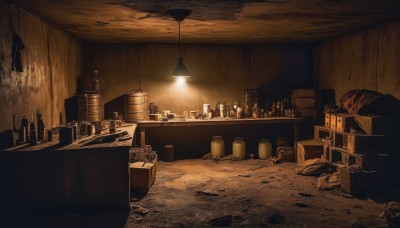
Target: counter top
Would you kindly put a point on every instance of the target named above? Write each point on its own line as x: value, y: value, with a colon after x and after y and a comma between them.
x: 81, y: 143
x: 216, y: 121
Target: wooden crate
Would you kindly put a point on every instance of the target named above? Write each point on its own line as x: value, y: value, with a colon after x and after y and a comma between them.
x: 365, y: 144
x: 142, y: 175
x: 321, y: 134
x: 372, y: 125
x: 304, y: 102
x: 304, y: 93
x: 361, y: 182
x: 308, y: 112
x: 345, y: 122
x: 366, y: 162
x: 309, y: 149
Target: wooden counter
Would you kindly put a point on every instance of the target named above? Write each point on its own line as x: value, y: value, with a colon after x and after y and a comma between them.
x: 49, y: 177
x: 216, y: 123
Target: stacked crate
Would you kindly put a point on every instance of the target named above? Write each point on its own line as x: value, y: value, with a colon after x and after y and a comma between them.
x: 356, y: 145
x: 306, y: 101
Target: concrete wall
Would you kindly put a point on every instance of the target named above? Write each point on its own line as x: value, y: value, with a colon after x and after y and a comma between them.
x: 51, y: 63
x: 368, y: 59
x: 219, y: 72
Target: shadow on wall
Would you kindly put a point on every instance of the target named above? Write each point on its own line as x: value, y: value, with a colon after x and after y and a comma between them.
x: 6, y: 139
x: 115, y: 105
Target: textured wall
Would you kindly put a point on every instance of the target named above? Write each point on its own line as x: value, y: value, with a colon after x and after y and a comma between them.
x: 51, y: 63
x: 219, y: 72
x: 369, y: 59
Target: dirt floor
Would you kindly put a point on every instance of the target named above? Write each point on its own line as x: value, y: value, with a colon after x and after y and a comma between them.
x: 248, y: 193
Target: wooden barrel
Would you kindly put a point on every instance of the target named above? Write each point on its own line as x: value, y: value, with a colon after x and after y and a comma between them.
x: 136, y: 106
x: 89, y: 107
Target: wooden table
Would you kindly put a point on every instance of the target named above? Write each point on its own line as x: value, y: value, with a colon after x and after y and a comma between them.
x: 142, y: 125
x: 74, y: 177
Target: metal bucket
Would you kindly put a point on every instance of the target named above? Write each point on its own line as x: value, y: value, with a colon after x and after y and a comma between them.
x: 89, y: 107
x: 136, y: 106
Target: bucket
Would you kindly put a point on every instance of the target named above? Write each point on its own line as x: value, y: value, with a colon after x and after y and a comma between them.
x: 89, y: 107
x: 168, y: 153
x: 136, y: 106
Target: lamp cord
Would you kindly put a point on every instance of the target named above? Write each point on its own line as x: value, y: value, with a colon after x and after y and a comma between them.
x: 179, y: 39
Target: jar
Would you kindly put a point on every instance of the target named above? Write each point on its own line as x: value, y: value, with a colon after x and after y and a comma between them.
x: 217, y: 147
x: 239, y: 148
x: 264, y: 149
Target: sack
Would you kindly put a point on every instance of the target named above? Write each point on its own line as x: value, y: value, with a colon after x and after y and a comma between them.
x: 313, y: 167
x: 329, y: 182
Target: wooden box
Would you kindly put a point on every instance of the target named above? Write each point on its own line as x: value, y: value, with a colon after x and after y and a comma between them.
x: 333, y: 121
x: 344, y: 122
x: 304, y: 93
x: 372, y: 125
x: 322, y: 133
x: 309, y: 149
x: 304, y: 102
x: 365, y: 144
x: 308, y: 112
x: 327, y: 120
x: 142, y: 174
x: 361, y: 182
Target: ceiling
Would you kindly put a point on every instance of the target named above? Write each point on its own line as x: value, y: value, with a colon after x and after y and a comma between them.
x: 212, y: 21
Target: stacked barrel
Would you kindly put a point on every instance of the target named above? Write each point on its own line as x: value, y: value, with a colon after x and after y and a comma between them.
x: 136, y: 103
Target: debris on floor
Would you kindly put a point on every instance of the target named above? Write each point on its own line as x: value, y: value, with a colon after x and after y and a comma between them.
x: 207, y: 192
x: 392, y: 214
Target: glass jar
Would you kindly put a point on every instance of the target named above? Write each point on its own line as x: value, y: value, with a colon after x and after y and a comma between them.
x: 264, y: 149
x: 217, y: 147
x: 239, y: 148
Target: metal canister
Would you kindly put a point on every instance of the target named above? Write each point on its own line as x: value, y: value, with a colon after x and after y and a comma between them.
x: 66, y: 135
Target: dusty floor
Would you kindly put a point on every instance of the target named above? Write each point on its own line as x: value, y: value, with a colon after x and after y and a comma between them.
x: 249, y: 193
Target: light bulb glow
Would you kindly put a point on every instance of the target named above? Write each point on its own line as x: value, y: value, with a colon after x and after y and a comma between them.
x: 180, y: 80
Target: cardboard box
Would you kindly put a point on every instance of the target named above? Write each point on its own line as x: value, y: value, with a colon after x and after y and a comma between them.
x: 142, y: 174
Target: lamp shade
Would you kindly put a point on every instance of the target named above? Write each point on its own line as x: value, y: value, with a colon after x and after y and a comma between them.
x: 180, y: 69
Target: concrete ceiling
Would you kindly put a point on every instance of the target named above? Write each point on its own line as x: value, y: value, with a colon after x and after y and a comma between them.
x: 212, y: 21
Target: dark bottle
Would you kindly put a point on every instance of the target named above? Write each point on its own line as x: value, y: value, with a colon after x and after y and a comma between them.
x: 96, y: 82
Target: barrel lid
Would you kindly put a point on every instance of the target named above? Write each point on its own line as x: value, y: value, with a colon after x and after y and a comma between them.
x: 239, y: 138
x: 217, y: 137
x: 168, y: 146
x: 264, y: 140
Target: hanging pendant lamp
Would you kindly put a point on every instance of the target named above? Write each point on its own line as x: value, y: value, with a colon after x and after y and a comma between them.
x: 179, y: 15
